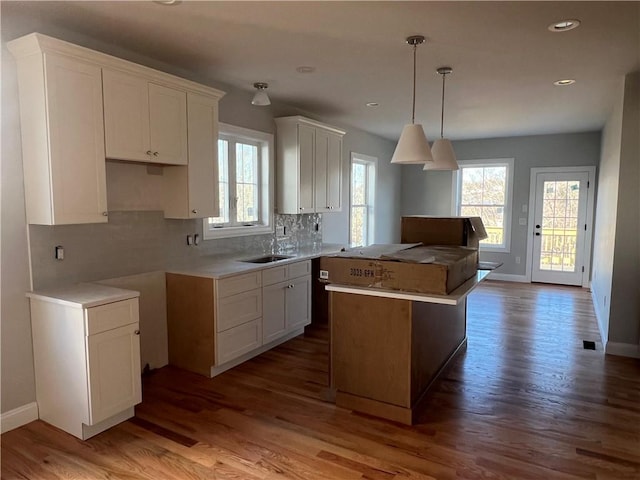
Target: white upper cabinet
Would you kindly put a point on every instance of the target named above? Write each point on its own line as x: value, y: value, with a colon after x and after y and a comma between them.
x: 79, y: 107
x: 62, y: 136
x: 192, y: 191
x: 309, y: 166
x: 144, y: 121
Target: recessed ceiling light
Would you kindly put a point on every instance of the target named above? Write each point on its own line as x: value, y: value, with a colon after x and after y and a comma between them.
x: 372, y: 104
x: 305, y: 69
x: 561, y: 83
x: 564, y: 25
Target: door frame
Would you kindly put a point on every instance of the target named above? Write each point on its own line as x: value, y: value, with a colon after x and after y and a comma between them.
x: 586, y: 254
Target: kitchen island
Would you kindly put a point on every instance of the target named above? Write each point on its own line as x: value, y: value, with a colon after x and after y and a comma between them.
x: 389, y: 346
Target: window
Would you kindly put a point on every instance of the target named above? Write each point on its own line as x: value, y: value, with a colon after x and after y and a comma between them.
x: 245, y: 172
x: 363, y: 189
x: 483, y: 188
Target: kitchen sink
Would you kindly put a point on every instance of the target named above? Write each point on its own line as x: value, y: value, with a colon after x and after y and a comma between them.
x: 267, y: 259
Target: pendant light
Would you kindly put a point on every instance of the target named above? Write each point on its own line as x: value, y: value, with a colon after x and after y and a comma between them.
x: 413, y: 146
x: 443, y: 156
x: 261, y: 98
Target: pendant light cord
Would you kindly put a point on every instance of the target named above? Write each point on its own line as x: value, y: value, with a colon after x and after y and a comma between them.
x: 442, y: 110
x: 413, y: 111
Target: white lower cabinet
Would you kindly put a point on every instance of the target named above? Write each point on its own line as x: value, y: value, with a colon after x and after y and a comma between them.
x: 87, y: 357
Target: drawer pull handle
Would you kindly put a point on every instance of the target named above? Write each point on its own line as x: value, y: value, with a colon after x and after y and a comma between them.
x: 290, y: 286
x: 137, y: 332
x: 155, y: 154
x: 149, y: 152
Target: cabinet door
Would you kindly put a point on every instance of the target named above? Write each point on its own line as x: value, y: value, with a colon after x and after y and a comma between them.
x: 334, y: 172
x: 203, y: 156
x: 306, y: 153
x: 76, y: 141
x: 126, y: 115
x: 113, y: 371
x: 273, y: 311
x: 320, y: 180
x: 168, y: 125
x: 298, y: 303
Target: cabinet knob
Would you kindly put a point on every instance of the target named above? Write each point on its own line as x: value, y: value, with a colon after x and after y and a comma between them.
x: 290, y: 286
x: 194, y: 211
x: 301, y: 208
x: 137, y: 332
x: 149, y: 152
x: 155, y: 154
x: 105, y: 214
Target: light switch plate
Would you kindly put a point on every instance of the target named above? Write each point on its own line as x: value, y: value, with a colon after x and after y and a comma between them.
x: 522, y: 221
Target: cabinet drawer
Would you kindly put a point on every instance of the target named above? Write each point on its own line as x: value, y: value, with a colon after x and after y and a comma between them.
x: 238, y: 341
x: 239, y: 283
x: 238, y: 309
x: 299, y: 269
x: 112, y: 315
x: 274, y: 275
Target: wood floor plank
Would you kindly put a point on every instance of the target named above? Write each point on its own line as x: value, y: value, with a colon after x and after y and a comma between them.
x: 524, y: 401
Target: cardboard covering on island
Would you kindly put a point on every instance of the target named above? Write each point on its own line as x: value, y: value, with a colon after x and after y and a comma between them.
x: 434, y: 269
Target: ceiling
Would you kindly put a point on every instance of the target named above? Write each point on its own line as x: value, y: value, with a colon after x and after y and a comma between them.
x: 504, y: 58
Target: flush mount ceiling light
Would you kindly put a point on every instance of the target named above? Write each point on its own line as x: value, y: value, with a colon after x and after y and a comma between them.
x: 168, y: 2
x: 564, y: 25
x: 261, y: 98
x: 443, y: 156
x: 413, y: 146
x: 305, y: 69
x: 562, y: 83
x: 372, y: 104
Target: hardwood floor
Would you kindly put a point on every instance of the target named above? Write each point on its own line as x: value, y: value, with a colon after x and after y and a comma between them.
x: 525, y: 401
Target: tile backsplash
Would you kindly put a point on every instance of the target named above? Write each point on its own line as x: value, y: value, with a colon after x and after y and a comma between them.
x: 144, y: 241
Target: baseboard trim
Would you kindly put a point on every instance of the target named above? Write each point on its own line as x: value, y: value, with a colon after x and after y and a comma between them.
x: 596, y: 309
x: 622, y: 349
x: 18, y: 417
x: 508, y: 277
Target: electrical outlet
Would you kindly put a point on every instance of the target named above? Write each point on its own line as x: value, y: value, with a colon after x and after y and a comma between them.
x: 280, y: 231
x: 522, y: 221
x: 59, y: 252
x: 196, y: 239
x: 189, y: 240
x: 517, y: 260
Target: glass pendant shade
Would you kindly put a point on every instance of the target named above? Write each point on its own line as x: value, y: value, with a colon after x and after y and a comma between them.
x: 261, y: 99
x: 444, y: 158
x: 412, y: 147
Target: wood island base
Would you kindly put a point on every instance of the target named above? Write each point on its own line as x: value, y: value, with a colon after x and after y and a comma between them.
x: 386, y: 352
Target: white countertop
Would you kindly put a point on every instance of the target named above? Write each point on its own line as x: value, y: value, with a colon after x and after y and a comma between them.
x: 221, y: 267
x: 454, y: 298
x: 83, y: 295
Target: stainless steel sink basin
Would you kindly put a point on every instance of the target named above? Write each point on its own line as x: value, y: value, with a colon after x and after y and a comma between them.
x: 267, y: 259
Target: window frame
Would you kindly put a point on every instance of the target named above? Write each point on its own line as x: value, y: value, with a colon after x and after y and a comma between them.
x: 266, y: 184
x: 456, y: 192
x: 371, y: 164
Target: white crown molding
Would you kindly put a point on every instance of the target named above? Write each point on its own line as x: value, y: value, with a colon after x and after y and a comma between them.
x: 36, y: 43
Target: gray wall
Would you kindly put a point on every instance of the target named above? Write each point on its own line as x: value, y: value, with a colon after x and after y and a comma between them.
x: 616, y: 274
x: 18, y: 384
x: 137, y: 238
x: 604, y: 234
x: 429, y: 193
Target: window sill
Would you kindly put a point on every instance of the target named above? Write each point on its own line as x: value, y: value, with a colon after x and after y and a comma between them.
x: 483, y: 248
x: 229, y: 232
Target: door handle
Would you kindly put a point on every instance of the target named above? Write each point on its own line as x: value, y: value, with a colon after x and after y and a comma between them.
x: 537, y: 226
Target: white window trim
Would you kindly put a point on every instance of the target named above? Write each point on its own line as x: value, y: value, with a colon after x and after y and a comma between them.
x: 455, y: 197
x: 266, y: 187
x: 371, y: 195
